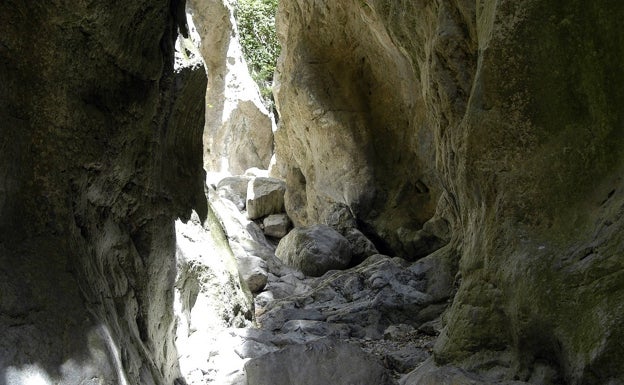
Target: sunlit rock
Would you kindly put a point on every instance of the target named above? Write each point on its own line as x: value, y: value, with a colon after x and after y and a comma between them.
x: 253, y: 270
x: 239, y: 131
x: 265, y: 196
x: 209, y: 295
x: 234, y: 189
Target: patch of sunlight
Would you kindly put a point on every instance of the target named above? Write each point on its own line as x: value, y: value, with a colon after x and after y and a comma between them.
x: 31, y: 374
x: 103, y: 362
x: 113, y: 351
x: 187, y: 49
x: 205, y: 294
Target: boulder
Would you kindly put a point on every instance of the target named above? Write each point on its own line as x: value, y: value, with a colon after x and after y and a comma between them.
x: 322, y: 362
x: 361, y: 246
x: 340, y: 217
x: 276, y: 225
x: 430, y: 374
x: 234, y: 189
x: 253, y: 349
x: 314, y: 250
x: 253, y: 270
x: 265, y: 196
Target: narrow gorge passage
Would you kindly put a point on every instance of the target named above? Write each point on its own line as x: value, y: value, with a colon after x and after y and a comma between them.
x: 315, y: 289
x: 436, y: 199
x: 381, y: 315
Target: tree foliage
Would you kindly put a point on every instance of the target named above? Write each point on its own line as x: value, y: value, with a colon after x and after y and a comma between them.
x: 256, y: 25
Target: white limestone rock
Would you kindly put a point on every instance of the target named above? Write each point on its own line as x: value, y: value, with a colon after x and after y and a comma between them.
x: 239, y: 130
x: 253, y: 271
x: 265, y: 196
x: 276, y: 225
x: 234, y: 189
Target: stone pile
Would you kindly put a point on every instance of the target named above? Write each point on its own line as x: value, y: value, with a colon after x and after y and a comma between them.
x: 328, y: 307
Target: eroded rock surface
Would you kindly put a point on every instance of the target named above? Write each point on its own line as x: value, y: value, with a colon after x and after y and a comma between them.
x: 239, y: 131
x: 480, y: 140
x: 507, y: 116
x: 314, y: 250
x: 319, y: 362
x: 100, y: 152
x: 362, y: 301
x: 365, y: 311
x: 354, y: 128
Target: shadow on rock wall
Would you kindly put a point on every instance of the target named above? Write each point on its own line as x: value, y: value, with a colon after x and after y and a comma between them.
x: 514, y: 111
x: 98, y: 157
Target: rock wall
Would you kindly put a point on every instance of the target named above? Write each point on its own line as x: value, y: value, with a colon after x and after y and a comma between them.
x: 100, y: 152
x: 239, y: 131
x: 541, y: 197
x: 508, y: 113
x: 354, y: 127
x: 503, y: 118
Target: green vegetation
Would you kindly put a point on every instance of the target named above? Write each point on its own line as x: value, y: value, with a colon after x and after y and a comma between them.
x: 256, y: 25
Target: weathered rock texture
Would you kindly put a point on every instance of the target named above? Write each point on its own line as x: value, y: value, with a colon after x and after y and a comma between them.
x: 314, y: 250
x: 98, y: 157
x: 209, y: 296
x: 354, y: 128
x: 265, y: 196
x: 276, y: 225
x: 508, y: 113
x: 234, y: 189
x: 238, y: 132
x: 320, y: 362
x: 494, y: 125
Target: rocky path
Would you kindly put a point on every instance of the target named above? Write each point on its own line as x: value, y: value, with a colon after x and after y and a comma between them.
x: 371, y: 323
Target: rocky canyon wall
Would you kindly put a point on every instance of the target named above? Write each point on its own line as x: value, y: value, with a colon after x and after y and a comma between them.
x: 239, y: 132
x: 506, y: 113
x: 100, y: 151
x: 355, y: 128
x: 497, y: 122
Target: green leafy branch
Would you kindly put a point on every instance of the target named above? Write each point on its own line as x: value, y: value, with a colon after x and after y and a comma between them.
x: 256, y: 25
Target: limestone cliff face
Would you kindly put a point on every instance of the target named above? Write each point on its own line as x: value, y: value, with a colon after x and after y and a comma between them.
x: 354, y: 126
x: 541, y: 195
x: 511, y: 112
x: 98, y: 157
x: 239, y: 132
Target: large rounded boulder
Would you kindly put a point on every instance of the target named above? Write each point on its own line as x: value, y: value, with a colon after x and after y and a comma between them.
x: 314, y: 250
